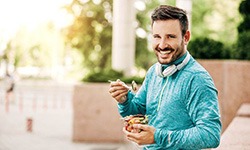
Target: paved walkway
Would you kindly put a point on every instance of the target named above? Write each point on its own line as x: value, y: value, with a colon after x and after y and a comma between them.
x: 50, y: 107
x: 51, y: 131
x: 237, y: 134
x: 52, y: 122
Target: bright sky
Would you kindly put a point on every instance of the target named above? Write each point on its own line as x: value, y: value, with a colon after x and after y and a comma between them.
x: 30, y: 13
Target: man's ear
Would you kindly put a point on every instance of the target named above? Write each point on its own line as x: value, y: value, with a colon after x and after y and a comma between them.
x: 186, y: 37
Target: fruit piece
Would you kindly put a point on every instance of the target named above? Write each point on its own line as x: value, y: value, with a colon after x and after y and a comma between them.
x: 134, y: 119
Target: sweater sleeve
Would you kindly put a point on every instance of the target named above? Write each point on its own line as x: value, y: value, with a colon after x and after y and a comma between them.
x: 136, y: 103
x: 202, y: 106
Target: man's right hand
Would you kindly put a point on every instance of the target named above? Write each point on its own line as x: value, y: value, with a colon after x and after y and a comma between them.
x: 118, y: 90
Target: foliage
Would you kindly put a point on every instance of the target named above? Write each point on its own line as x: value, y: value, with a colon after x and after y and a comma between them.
x: 91, y: 32
x: 205, y: 48
x: 245, y: 12
x: 35, y: 48
x: 144, y: 57
x: 243, y: 48
x: 210, y: 17
x: 200, y: 10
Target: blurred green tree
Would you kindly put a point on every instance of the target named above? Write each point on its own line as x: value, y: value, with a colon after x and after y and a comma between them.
x: 41, y: 47
x: 91, y: 32
x: 244, y: 10
x: 243, y: 48
x: 206, y: 48
x: 208, y: 25
x: 215, y: 19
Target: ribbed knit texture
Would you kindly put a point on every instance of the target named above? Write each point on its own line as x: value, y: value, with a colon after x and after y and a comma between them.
x: 188, y: 113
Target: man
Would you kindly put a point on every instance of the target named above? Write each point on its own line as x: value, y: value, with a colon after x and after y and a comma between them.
x: 178, y: 95
x: 9, y: 88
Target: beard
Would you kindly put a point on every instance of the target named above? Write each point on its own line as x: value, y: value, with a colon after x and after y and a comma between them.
x: 169, y: 54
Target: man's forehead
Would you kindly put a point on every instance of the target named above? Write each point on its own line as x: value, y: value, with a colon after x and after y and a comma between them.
x: 166, y: 25
x: 168, y: 21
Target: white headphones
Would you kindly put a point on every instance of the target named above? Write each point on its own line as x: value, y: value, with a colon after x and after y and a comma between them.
x: 170, y: 70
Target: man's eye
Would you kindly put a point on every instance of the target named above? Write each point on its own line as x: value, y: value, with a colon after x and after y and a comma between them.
x: 156, y: 36
x: 171, y: 36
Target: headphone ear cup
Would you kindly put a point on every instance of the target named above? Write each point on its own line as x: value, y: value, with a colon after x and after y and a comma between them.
x: 158, y: 70
x: 166, y: 72
x: 169, y: 70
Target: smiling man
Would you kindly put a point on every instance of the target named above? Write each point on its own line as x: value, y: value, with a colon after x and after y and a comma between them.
x: 178, y: 95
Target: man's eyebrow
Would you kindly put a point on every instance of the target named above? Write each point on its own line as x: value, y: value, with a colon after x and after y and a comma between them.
x: 171, y: 34
x: 156, y: 34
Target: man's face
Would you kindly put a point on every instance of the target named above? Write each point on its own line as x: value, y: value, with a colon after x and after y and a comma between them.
x: 168, y: 43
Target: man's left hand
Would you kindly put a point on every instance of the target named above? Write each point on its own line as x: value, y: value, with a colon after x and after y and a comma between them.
x: 145, y: 136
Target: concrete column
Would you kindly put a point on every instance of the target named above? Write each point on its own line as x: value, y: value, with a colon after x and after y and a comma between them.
x: 186, y: 5
x: 123, y: 40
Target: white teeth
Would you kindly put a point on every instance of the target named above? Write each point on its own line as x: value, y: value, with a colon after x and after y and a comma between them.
x: 165, y: 52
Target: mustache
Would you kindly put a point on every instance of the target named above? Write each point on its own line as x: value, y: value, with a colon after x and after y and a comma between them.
x: 164, y: 49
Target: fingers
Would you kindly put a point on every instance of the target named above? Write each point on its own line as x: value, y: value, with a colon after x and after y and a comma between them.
x: 128, y: 134
x: 121, y: 98
x: 146, y: 136
x: 140, y: 127
x: 117, y: 85
x: 135, y: 137
x: 118, y: 82
x: 118, y: 90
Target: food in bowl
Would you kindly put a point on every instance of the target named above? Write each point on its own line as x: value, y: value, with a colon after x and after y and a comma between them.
x: 134, y: 119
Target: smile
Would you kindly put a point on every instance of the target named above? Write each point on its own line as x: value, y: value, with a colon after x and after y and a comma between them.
x: 165, y: 52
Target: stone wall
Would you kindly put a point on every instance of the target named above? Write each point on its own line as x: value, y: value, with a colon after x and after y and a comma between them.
x: 96, y: 118
x: 232, y: 79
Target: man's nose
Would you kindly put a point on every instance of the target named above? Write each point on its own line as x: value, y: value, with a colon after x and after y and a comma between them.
x: 163, y: 44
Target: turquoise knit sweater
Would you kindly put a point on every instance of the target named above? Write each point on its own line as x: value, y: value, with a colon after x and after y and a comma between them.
x: 183, y: 108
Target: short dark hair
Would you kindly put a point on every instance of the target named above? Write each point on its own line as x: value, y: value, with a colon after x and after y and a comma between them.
x: 166, y: 12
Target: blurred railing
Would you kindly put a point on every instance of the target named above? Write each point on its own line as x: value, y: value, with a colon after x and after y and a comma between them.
x: 37, y: 96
